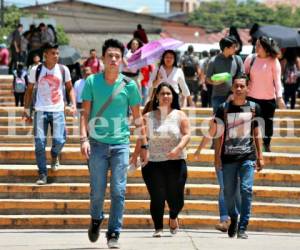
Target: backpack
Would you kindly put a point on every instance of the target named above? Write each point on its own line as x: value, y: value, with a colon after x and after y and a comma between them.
x: 189, y: 66
x: 290, y: 74
x: 225, y: 105
x: 19, y: 82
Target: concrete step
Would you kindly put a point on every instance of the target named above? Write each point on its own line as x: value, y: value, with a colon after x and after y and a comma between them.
x: 69, y: 155
x: 196, y: 175
x: 191, y: 207
x: 4, y: 99
x: 17, y: 121
x: 191, y: 112
x: 74, y: 130
x: 6, y: 92
x: 194, y: 141
x: 139, y: 191
x: 280, y: 149
x: 6, y: 78
x: 138, y: 221
x: 195, y: 122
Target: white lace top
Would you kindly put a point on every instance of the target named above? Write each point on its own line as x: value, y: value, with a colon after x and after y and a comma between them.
x: 164, y: 135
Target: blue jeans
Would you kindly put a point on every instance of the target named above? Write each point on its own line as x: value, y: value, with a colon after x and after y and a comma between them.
x: 222, y: 203
x: 102, y: 158
x: 42, y: 120
x: 144, y: 94
x: 216, y: 101
x: 231, y: 172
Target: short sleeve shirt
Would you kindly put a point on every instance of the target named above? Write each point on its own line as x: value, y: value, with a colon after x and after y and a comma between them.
x: 50, y: 88
x: 238, y: 143
x: 222, y: 64
x: 112, y: 127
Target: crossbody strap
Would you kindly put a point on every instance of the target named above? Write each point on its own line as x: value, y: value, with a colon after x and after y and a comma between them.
x: 113, y: 95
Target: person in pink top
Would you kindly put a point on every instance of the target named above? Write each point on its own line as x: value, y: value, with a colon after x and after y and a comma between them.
x: 4, y: 55
x: 265, y: 86
x: 93, y: 62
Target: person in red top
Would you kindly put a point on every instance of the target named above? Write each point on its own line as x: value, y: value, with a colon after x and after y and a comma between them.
x: 145, y: 71
x: 4, y: 55
x: 140, y: 33
x: 93, y: 62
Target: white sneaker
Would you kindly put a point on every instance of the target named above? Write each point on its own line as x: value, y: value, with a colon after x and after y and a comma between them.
x: 112, y: 241
x: 54, y: 163
x: 158, y: 233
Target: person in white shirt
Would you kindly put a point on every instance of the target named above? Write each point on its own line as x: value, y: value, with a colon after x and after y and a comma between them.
x: 79, y: 85
x: 46, y: 92
x: 170, y: 73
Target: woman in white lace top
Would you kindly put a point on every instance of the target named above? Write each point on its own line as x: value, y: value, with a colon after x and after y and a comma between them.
x: 170, y: 73
x: 165, y: 174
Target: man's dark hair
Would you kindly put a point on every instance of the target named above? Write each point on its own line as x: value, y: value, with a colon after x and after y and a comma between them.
x: 92, y: 50
x: 227, y: 42
x: 205, y: 53
x: 139, y: 26
x: 112, y: 43
x: 241, y: 76
x: 48, y: 46
x: 19, y: 25
x: 175, y: 101
x: 213, y: 52
x: 190, y: 49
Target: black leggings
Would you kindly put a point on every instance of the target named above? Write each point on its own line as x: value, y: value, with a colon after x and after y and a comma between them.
x: 267, y: 113
x: 165, y: 181
x: 19, y: 98
x: 290, y: 93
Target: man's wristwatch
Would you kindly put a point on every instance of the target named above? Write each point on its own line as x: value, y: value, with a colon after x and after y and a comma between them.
x: 145, y: 146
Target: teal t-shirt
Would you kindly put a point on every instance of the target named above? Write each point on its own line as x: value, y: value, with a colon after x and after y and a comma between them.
x: 112, y: 127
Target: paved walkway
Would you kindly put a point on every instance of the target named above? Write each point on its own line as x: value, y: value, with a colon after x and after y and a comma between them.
x: 142, y: 240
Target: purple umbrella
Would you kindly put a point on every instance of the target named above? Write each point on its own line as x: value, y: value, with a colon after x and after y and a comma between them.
x: 152, y: 52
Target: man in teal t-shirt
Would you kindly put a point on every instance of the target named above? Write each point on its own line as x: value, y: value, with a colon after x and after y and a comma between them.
x: 108, y: 144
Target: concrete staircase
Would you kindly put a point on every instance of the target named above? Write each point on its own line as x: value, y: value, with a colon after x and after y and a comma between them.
x: 64, y: 202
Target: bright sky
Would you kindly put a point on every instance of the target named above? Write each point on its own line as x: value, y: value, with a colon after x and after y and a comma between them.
x: 132, y: 5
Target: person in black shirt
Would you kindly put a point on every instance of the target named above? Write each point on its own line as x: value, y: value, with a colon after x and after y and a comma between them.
x: 238, y: 151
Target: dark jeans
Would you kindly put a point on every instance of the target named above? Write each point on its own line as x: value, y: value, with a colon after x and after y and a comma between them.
x: 231, y: 172
x: 267, y: 113
x: 165, y: 181
x: 19, y: 98
x: 194, y: 88
x: 206, y: 96
x: 290, y: 93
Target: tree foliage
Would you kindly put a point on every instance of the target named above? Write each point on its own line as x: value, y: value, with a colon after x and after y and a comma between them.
x: 12, y: 16
x: 62, y: 38
x: 217, y: 15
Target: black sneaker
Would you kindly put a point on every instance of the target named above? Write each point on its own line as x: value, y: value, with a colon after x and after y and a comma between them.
x: 94, y: 230
x: 242, y: 234
x: 42, y: 180
x: 232, y: 228
x: 112, y: 240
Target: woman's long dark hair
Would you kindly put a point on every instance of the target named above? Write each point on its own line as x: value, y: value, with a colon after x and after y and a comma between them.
x: 175, y: 101
x: 270, y: 46
x: 134, y: 39
x: 163, y: 57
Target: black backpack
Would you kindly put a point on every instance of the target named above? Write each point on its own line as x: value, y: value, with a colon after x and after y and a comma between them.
x: 189, y: 66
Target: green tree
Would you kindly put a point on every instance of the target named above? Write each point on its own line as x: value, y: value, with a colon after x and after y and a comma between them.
x: 217, y: 15
x: 62, y: 37
x: 12, y: 16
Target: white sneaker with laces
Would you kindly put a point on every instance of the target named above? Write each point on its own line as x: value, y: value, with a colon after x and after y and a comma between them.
x: 158, y: 233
